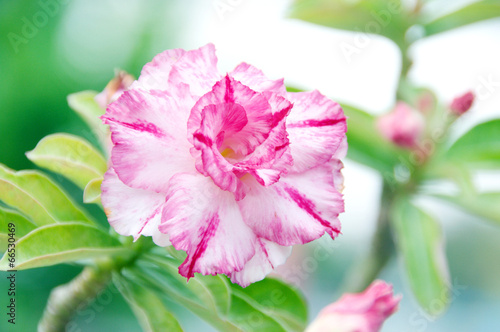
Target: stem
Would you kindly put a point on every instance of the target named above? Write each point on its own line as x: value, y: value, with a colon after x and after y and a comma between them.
x: 66, y: 299
x: 381, y: 250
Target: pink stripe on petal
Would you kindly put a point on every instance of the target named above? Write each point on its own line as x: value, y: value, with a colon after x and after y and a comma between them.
x: 186, y: 268
x: 149, y: 145
x: 297, y: 209
x: 154, y: 111
x: 266, y: 177
x: 205, y: 221
x: 307, y: 205
x: 142, y: 127
x: 315, y: 123
x: 316, y: 127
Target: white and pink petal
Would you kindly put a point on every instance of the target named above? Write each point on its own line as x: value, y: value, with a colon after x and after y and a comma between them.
x: 149, y: 145
x: 132, y: 211
x: 205, y: 221
x: 256, y: 80
x: 154, y: 75
x: 298, y: 209
x: 316, y: 127
x: 196, y: 68
x: 268, y: 256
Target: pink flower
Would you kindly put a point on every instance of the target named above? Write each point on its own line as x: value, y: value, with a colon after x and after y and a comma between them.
x: 230, y: 168
x: 462, y: 104
x: 363, y: 312
x: 114, y: 88
x: 403, y: 126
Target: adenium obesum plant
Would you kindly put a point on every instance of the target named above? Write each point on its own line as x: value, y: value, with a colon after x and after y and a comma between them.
x: 363, y: 312
x: 230, y: 168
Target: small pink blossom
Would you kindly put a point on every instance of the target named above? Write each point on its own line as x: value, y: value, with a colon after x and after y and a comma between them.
x: 362, y: 312
x: 114, y: 88
x: 230, y: 168
x: 463, y: 103
x: 403, y: 126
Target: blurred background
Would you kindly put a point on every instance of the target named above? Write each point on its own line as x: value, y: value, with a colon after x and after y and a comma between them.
x: 50, y: 48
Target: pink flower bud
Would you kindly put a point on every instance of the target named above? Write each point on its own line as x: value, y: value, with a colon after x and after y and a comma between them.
x: 114, y: 88
x: 463, y: 103
x: 403, y: 126
x: 362, y: 312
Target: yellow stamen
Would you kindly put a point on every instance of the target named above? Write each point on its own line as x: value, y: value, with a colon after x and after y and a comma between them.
x: 226, y: 152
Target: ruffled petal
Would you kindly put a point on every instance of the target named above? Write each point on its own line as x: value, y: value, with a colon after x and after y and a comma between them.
x: 268, y: 256
x: 216, y: 166
x: 270, y: 152
x: 149, y: 144
x: 256, y: 80
x: 297, y: 209
x: 338, y: 165
x: 338, y: 178
x: 132, y: 211
x: 205, y: 222
x: 198, y: 69
x: 230, y: 118
x: 154, y: 75
x: 256, y: 107
x: 341, y: 152
x: 316, y: 127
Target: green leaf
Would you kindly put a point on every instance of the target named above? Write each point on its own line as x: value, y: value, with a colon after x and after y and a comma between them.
x: 367, y: 146
x: 269, y: 305
x: 212, y: 291
x: 479, y: 147
x: 92, y: 192
x: 420, y: 245
x: 60, y: 243
x: 162, y: 276
x: 147, y: 307
x: 86, y: 107
x: 275, y: 299
x: 387, y: 18
x: 474, y: 12
x: 22, y: 226
x: 37, y: 197
x: 486, y: 205
x: 70, y: 156
x: 251, y: 318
